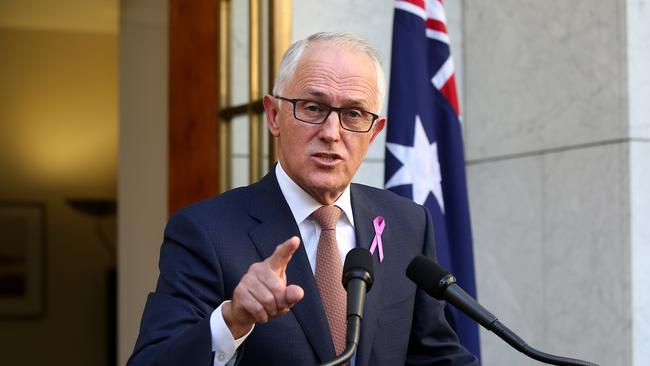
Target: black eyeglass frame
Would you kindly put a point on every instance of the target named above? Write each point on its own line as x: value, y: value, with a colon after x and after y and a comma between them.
x: 331, y: 108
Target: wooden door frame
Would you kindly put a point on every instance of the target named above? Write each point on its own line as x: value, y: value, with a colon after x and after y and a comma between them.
x: 193, y: 133
x: 199, y: 114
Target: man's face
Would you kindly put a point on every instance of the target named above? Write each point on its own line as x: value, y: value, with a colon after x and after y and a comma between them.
x: 322, y: 159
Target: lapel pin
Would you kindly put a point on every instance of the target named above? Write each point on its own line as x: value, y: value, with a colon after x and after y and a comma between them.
x: 377, y: 244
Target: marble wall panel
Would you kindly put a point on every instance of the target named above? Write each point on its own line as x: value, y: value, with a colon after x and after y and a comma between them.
x: 506, y: 204
x: 371, y: 173
x: 377, y: 148
x: 587, y: 254
x: 640, y: 241
x: 540, y: 75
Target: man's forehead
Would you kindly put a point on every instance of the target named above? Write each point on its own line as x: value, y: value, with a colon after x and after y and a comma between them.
x: 324, y: 50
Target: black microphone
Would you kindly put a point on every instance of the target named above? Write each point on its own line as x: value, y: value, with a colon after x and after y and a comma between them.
x: 439, y: 283
x: 357, y: 280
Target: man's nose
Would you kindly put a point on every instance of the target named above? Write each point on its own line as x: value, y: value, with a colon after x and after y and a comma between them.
x: 330, y: 129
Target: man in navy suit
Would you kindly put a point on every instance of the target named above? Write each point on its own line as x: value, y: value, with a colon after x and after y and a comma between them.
x: 237, y: 272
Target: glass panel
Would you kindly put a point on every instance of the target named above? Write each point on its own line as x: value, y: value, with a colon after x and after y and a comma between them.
x: 239, y: 171
x: 239, y: 58
x: 239, y: 151
x: 265, y: 145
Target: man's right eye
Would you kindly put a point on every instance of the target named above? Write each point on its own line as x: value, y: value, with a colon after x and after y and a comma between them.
x: 312, y: 107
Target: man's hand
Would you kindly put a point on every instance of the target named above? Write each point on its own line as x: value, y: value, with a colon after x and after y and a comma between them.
x: 263, y: 293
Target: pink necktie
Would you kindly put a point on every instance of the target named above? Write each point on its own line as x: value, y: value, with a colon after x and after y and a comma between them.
x: 329, y: 270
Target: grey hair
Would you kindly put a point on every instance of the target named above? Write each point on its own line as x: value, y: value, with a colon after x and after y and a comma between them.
x: 351, y: 41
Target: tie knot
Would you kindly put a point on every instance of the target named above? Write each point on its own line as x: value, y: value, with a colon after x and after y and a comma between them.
x: 326, y: 217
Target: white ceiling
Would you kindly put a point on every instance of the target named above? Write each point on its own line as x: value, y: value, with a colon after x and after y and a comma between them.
x: 65, y: 15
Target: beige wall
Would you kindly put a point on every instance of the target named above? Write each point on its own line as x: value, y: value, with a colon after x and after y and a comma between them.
x: 58, y: 139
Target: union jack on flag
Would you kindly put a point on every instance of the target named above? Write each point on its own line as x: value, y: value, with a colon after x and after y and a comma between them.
x: 424, y: 149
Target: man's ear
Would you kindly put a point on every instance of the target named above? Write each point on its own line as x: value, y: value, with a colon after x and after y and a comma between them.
x: 379, y: 125
x: 271, y: 111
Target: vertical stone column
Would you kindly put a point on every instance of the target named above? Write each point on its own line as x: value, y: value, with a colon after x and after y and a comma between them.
x: 638, y: 59
x: 556, y: 117
x: 142, y: 181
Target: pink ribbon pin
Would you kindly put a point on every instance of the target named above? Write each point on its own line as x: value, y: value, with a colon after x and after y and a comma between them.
x: 379, y: 225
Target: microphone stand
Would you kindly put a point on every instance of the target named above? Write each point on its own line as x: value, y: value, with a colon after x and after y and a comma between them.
x: 353, y: 334
x: 520, y: 345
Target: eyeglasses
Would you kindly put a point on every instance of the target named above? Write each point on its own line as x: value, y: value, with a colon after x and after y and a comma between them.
x: 351, y: 119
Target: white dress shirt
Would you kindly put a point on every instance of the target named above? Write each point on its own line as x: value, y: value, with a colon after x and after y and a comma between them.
x: 302, y: 205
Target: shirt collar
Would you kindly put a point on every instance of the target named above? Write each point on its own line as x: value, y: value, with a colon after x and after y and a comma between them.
x: 302, y: 204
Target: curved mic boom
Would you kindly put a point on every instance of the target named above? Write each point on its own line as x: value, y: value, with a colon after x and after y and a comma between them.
x: 439, y: 283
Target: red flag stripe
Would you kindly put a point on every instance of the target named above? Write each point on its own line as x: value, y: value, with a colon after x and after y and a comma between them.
x: 436, y: 25
x: 450, y: 93
x: 418, y: 3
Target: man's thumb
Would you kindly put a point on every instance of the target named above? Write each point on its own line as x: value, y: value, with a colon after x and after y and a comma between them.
x: 294, y: 293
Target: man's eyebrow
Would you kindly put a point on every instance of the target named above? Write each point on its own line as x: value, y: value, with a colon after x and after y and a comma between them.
x: 357, y: 102
x: 316, y: 93
x: 361, y: 102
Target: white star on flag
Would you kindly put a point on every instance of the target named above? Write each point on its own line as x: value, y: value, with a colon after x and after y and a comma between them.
x: 420, y: 166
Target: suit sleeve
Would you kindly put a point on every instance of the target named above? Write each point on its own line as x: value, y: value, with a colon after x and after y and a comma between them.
x: 175, y: 327
x: 432, y: 340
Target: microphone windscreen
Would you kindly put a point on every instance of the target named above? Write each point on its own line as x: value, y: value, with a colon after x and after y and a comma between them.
x: 358, y: 259
x: 428, y: 275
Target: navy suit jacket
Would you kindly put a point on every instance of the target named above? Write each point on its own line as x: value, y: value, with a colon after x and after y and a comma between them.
x: 210, y: 245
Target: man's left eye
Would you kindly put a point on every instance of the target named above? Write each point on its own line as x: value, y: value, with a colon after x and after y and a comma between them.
x: 353, y: 113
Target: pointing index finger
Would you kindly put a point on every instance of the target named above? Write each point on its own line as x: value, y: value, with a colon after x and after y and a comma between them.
x: 282, y: 255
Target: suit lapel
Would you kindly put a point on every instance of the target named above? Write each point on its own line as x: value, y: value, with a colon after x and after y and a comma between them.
x: 364, y: 211
x: 277, y: 225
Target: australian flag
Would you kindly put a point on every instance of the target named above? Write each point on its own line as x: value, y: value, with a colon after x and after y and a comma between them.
x: 424, y: 147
